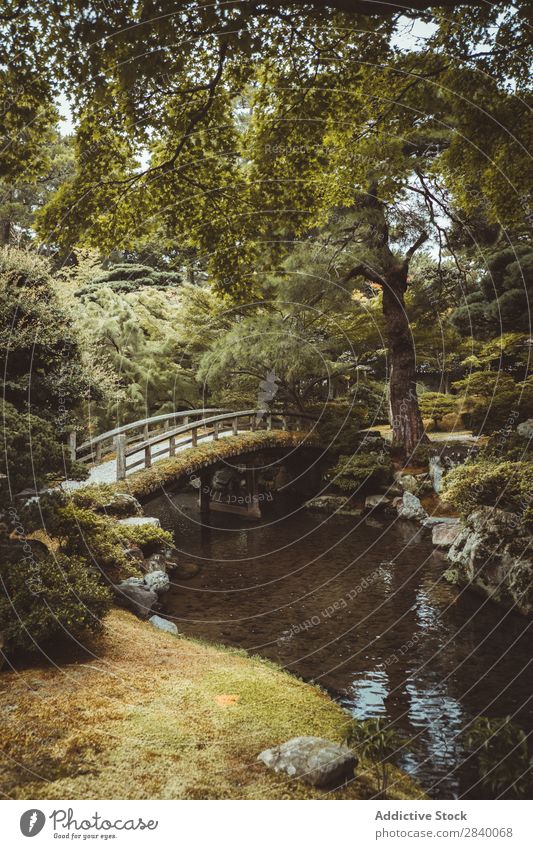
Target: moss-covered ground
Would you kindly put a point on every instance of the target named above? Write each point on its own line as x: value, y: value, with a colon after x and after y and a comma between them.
x: 153, y: 716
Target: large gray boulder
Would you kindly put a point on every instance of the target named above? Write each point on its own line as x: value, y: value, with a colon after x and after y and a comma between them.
x: 444, y: 534
x: 411, y: 508
x: 164, y: 625
x: 408, y: 483
x: 493, y: 554
x: 137, y: 598
x: 158, y: 581
x: 314, y: 760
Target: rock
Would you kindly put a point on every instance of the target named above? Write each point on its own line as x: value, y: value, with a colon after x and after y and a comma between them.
x: 408, y: 483
x: 139, y: 599
x: 134, y: 582
x: 493, y: 555
x: 431, y: 521
x: 332, y: 504
x: 155, y: 563
x: 373, y: 501
x: 444, y: 535
x: 133, y: 521
x: 164, y: 625
x: 186, y: 571
x: 121, y: 505
x: 318, y: 762
x: 436, y: 473
x: 525, y: 429
x: 411, y: 508
x: 158, y: 581
x: 397, y: 502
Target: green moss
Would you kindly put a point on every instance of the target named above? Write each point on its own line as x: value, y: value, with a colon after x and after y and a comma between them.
x: 183, y: 720
x: 360, y: 471
x: 166, y: 472
x: 506, y: 484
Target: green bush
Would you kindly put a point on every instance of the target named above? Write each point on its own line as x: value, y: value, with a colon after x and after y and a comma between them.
x: 501, y: 749
x: 360, y: 471
x: 46, y: 600
x: 490, y: 398
x: 507, y: 485
x: 436, y: 405
x: 101, y: 539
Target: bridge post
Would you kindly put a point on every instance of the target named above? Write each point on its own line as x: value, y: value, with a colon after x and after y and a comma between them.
x: 172, y: 446
x: 120, y: 445
x: 194, y: 437
x: 284, y: 423
x: 147, y: 457
x: 215, y: 430
x: 72, y: 444
x: 185, y: 420
x: 253, y: 422
x: 98, y: 452
x: 235, y: 426
x: 269, y: 421
x: 145, y: 431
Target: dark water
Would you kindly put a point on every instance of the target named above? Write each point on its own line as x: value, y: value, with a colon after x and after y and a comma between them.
x: 358, y: 606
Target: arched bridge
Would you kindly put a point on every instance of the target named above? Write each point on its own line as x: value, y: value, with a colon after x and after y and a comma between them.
x: 138, y: 445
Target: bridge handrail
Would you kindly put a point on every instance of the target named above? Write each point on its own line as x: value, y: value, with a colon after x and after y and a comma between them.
x: 229, y: 415
x: 145, y: 447
x: 110, y: 434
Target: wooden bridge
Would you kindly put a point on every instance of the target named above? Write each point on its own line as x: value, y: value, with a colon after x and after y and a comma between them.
x: 139, y: 444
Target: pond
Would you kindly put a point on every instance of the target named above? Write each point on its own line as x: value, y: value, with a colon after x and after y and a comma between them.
x: 357, y: 605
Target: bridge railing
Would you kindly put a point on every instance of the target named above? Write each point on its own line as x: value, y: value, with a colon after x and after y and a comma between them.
x: 96, y: 447
x: 168, y: 442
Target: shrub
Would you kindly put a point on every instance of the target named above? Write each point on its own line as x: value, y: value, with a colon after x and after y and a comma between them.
x: 378, y: 742
x: 436, y: 405
x: 101, y: 539
x: 360, y: 471
x: 501, y: 749
x: 489, y: 398
x: 43, y: 600
x: 506, y: 485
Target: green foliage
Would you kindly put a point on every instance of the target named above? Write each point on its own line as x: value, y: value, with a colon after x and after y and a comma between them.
x: 493, y: 400
x: 128, y: 277
x: 500, y: 747
x: 503, y: 300
x: 506, y: 484
x: 378, y: 742
x: 47, y: 601
x: 361, y: 471
x: 338, y: 425
x: 40, y: 358
x: 435, y: 405
x: 138, y: 336
x: 32, y: 454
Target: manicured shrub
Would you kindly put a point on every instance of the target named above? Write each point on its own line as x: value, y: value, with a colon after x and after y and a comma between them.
x: 49, y: 600
x: 506, y: 484
x: 361, y: 471
x: 436, y: 405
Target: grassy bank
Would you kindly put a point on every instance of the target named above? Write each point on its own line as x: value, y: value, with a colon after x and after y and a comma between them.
x: 155, y: 716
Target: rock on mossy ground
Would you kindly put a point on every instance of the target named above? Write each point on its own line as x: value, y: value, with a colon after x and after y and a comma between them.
x: 152, y: 716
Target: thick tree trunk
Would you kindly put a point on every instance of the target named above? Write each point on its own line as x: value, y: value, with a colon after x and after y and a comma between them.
x: 406, y: 421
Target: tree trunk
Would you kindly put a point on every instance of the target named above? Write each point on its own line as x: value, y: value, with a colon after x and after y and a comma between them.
x: 406, y: 421
x: 5, y: 232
